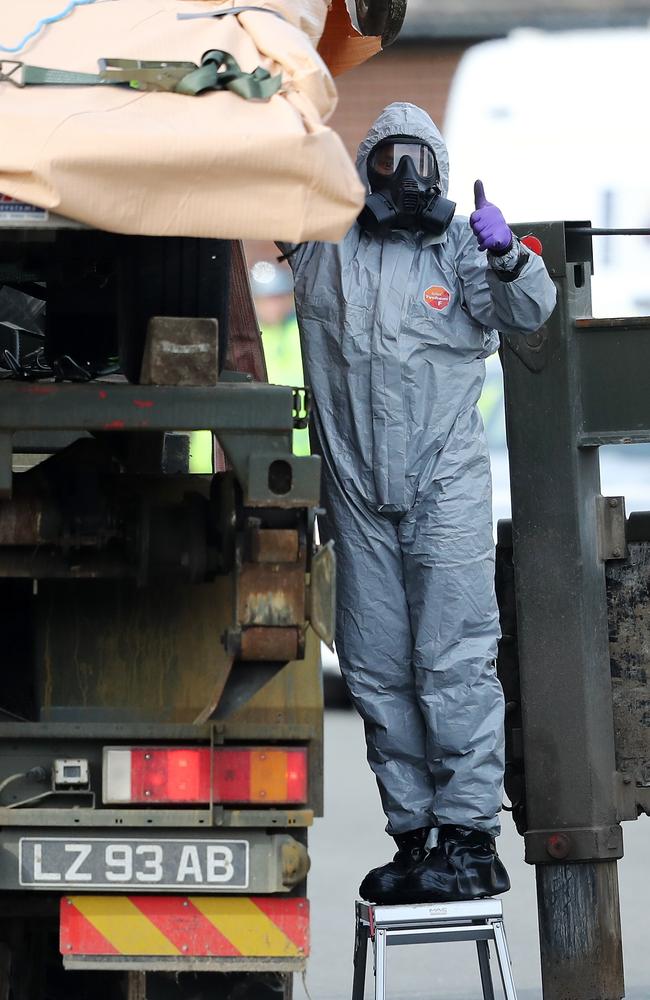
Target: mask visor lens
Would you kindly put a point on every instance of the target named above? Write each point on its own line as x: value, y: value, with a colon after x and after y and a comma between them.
x: 386, y: 158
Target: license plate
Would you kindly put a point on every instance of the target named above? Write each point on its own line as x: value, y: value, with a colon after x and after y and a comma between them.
x: 10, y: 206
x: 58, y: 862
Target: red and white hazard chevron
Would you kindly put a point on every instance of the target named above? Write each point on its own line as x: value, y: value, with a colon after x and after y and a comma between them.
x: 259, y: 926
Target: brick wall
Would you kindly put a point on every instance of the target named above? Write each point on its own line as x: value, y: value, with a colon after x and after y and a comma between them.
x: 414, y: 73
x: 420, y: 74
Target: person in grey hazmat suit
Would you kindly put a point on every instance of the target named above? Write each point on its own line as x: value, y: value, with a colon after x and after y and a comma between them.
x: 396, y: 320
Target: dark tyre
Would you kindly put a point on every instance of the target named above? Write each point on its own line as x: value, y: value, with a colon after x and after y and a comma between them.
x: 168, y: 276
x: 381, y: 17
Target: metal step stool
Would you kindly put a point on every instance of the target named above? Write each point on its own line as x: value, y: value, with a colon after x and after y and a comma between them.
x: 479, y: 920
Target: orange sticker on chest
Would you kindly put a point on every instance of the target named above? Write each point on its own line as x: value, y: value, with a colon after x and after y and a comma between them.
x: 437, y: 296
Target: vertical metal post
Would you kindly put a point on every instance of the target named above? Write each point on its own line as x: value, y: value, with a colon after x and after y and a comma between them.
x: 5, y: 971
x: 380, y: 964
x: 136, y: 988
x: 361, y: 936
x: 579, y: 916
x: 505, y: 965
x: 483, y: 950
x: 563, y: 644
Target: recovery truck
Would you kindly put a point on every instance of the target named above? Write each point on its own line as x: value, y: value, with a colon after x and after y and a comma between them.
x: 161, y: 707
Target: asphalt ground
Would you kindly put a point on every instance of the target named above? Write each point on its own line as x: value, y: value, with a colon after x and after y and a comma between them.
x: 350, y: 839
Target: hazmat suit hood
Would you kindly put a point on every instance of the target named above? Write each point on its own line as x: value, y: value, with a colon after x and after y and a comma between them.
x: 402, y: 118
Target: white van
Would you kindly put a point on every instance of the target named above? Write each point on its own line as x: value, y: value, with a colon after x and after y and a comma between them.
x: 557, y: 125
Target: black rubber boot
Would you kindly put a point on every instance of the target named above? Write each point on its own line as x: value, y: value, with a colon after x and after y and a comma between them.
x: 384, y: 884
x: 464, y: 865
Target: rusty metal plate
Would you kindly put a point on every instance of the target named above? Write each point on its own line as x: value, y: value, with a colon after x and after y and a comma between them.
x: 270, y: 644
x: 274, y: 545
x: 271, y: 594
x: 111, y: 651
x: 322, y: 593
x: 181, y: 351
x: 28, y: 521
x: 628, y: 596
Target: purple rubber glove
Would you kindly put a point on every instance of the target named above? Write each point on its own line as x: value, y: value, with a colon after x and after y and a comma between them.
x: 488, y: 224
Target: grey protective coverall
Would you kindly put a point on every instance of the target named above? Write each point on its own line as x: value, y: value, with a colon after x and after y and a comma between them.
x: 394, y: 334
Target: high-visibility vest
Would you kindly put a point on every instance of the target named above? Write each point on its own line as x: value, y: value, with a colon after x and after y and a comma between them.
x: 281, y: 344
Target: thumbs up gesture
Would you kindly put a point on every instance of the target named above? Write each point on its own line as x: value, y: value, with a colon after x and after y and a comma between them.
x: 488, y: 224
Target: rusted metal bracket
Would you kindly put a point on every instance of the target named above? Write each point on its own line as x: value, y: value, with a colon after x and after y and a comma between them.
x: 270, y: 586
x: 611, y: 528
x: 273, y: 545
x: 265, y: 644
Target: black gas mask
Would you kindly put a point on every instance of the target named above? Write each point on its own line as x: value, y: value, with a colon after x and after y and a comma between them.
x: 405, y: 189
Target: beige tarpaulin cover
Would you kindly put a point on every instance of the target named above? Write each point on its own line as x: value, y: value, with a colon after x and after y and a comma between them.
x: 168, y: 164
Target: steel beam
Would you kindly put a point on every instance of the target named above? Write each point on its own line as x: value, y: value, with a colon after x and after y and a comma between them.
x: 253, y: 423
x: 96, y: 406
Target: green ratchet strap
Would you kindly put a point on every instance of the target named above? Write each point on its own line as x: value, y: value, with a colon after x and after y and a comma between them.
x: 219, y: 70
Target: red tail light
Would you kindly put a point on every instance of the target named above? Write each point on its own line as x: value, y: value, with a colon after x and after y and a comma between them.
x: 262, y: 775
